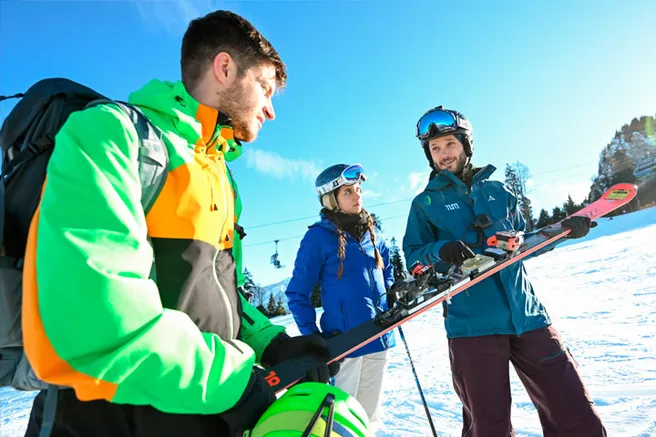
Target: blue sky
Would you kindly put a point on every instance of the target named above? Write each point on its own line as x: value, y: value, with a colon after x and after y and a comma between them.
x: 544, y: 83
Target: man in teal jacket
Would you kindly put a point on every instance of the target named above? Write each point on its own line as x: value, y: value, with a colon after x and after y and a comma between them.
x: 499, y: 320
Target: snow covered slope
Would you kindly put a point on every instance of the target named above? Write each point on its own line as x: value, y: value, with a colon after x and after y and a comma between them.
x: 601, y: 294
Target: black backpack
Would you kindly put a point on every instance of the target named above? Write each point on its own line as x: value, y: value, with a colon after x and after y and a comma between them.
x: 27, y: 139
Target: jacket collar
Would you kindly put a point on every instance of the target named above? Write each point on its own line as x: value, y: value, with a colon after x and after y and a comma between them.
x: 201, y: 125
x: 445, y: 178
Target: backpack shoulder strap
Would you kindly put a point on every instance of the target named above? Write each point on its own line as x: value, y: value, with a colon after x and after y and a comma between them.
x: 153, y: 154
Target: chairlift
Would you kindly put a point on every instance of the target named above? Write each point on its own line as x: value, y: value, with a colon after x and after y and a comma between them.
x: 274, y: 258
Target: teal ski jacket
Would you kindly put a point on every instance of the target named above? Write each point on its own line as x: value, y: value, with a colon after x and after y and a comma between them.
x: 504, y: 303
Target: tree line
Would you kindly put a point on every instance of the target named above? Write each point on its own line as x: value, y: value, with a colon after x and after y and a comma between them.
x: 630, y: 157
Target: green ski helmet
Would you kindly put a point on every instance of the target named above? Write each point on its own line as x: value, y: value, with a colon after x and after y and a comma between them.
x: 313, y: 409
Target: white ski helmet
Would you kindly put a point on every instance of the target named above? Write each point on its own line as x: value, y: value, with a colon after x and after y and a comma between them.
x: 334, y: 177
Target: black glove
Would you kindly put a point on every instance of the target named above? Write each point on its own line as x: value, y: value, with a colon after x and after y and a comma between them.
x: 283, y: 347
x: 240, y: 231
x: 455, y: 252
x: 579, y: 225
x: 257, y: 397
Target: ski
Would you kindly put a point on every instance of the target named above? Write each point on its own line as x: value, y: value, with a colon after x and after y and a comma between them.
x: 428, y: 288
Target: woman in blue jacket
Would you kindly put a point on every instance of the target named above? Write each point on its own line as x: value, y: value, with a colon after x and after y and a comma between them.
x: 346, y: 255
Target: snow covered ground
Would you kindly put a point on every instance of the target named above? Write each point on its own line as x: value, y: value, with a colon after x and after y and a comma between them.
x: 601, y: 294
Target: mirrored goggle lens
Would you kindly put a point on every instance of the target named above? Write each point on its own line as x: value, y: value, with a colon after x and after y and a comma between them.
x: 438, y: 118
x: 354, y: 173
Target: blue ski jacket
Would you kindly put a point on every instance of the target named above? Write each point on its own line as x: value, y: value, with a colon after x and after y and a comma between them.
x: 504, y: 303
x: 347, y: 302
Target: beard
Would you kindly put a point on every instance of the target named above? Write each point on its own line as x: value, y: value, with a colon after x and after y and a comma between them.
x: 236, y: 105
x: 461, y: 161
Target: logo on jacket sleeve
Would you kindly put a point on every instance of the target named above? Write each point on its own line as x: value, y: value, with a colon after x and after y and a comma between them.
x: 491, y: 198
x: 452, y: 206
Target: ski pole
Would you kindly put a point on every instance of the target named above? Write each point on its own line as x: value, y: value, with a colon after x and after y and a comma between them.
x: 421, y: 392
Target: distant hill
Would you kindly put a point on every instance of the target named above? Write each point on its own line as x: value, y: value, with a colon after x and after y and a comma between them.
x: 629, y: 157
x: 278, y: 289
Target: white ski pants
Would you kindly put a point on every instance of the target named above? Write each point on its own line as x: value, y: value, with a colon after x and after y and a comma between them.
x: 362, y: 377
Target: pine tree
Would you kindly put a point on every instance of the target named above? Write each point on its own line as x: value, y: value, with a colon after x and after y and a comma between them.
x: 280, y: 309
x: 272, y: 308
x: 511, y: 179
x: 517, y: 175
x: 397, y: 261
x: 249, y: 284
x: 377, y: 221
x: 544, y: 219
x: 557, y: 215
x: 253, y: 289
x: 527, y: 213
x: 315, y: 297
x: 570, y: 206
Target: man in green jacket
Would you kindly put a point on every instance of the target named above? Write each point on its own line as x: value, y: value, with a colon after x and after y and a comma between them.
x: 175, y: 355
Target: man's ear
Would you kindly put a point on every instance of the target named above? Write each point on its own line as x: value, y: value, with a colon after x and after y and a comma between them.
x: 224, y: 68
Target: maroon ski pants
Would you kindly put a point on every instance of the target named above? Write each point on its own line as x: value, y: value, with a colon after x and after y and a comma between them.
x: 480, y: 368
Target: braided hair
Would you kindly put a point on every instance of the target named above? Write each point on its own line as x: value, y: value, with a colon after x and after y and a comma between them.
x: 341, y: 235
x: 334, y: 217
x: 372, y: 235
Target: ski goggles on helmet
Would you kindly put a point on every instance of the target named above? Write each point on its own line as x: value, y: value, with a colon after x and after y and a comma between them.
x: 349, y: 176
x: 439, y: 121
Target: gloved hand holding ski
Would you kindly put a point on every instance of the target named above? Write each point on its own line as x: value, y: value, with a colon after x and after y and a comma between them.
x: 580, y: 226
x: 284, y: 348
x: 455, y: 252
